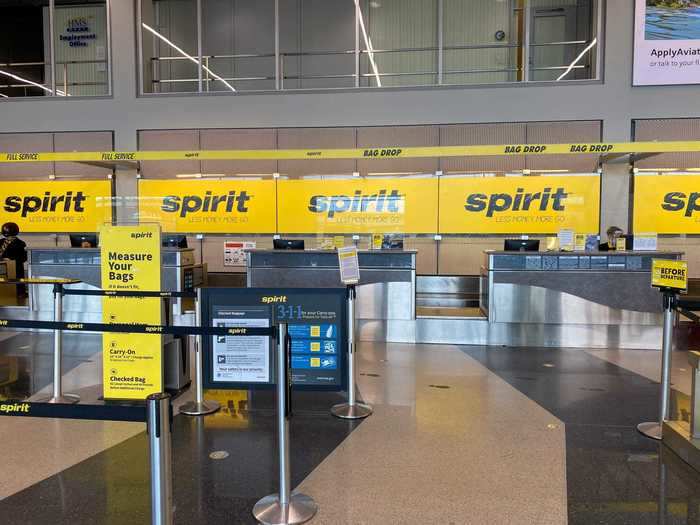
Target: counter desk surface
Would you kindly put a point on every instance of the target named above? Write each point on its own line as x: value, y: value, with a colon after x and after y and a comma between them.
x: 571, y: 287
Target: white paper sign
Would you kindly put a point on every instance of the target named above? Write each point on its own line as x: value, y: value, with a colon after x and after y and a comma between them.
x: 645, y: 242
x: 566, y: 240
x: 349, y: 265
x: 234, y: 252
x: 666, y: 43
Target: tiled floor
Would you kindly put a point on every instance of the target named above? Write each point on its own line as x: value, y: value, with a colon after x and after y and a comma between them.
x: 460, y: 435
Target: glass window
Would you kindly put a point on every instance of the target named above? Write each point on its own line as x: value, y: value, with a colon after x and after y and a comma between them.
x: 80, y: 40
x: 238, y: 45
x: 399, y: 43
x: 25, y: 54
x: 169, y: 40
x: 481, y: 41
x: 563, y: 44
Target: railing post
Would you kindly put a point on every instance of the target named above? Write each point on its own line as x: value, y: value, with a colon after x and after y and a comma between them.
x: 160, y: 446
x: 286, y: 507
x: 200, y: 406
x: 352, y: 409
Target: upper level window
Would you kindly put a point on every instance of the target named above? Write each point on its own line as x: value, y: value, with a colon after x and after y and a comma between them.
x: 263, y: 45
x: 60, y: 51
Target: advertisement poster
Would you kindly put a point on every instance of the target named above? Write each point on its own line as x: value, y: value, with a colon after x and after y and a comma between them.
x: 57, y: 206
x: 130, y: 260
x: 666, y: 42
x: 234, y: 252
x: 519, y: 205
x: 242, y: 359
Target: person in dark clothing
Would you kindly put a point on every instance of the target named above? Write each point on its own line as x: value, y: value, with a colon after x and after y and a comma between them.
x: 614, y: 233
x: 13, y: 248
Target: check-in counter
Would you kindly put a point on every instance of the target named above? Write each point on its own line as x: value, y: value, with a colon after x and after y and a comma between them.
x: 179, y: 273
x: 571, y: 288
x: 387, y: 288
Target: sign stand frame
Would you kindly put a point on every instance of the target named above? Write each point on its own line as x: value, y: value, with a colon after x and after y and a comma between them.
x: 351, y: 409
x: 286, y: 507
x: 654, y: 429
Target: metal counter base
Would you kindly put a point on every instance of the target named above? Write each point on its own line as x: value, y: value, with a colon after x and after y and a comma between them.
x: 481, y: 332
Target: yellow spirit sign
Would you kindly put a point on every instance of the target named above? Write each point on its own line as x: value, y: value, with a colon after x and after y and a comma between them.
x: 666, y: 204
x: 132, y: 363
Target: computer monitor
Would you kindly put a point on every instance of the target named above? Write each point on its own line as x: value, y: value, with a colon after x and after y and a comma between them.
x: 288, y: 244
x: 83, y: 240
x: 173, y: 241
x: 521, y: 245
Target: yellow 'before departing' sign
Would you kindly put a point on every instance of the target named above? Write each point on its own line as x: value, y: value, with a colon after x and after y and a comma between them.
x: 132, y: 363
x: 209, y: 206
x: 521, y: 204
x: 666, y: 273
x: 367, y: 205
x: 57, y: 206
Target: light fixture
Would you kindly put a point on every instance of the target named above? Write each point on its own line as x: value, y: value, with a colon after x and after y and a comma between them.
x: 368, y: 43
x: 189, y: 57
x: 31, y: 82
x: 578, y: 58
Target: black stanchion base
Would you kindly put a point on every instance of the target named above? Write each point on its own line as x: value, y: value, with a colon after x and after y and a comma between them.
x: 300, y: 509
x: 348, y: 411
x: 651, y: 430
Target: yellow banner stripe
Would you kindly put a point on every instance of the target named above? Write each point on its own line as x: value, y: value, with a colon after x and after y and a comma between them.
x: 372, y: 153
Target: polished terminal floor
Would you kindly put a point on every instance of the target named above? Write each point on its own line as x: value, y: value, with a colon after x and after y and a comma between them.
x: 460, y: 435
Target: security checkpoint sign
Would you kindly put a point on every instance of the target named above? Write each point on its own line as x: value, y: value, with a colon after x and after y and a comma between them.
x: 131, y: 261
x: 670, y: 274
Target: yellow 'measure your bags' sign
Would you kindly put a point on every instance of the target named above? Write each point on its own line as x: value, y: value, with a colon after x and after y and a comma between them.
x: 209, y: 206
x: 520, y: 204
x: 367, y: 205
x: 57, y: 206
x: 667, y: 203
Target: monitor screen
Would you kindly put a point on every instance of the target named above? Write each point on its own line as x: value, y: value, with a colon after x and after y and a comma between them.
x: 173, y: 241
x: 288, y: 244
x: 521, y: 245
x: 83, y: 240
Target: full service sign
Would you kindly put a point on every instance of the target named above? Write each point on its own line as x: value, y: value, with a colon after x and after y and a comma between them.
x: 667, y: 204
x: 130, y: 259
x: 669, y: 274
x: 381, y: 205
x: 209, y: 206
x: 666, y: 43
x: 519, y: 204
x: 57, y: 206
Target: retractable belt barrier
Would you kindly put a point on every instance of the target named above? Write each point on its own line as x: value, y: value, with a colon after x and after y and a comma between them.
x: 120, y: 293
x: 18, y: 408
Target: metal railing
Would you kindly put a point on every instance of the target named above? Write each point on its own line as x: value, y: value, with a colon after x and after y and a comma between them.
x: 65, y: 83
x: 357, y: 74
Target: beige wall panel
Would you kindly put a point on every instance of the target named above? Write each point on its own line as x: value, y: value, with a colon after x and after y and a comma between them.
x: 168, y: 140
x: 322, y: 138
x: 482, y: 134
x: 226, y: 139
x: 563, y: 132
x: 426, y: 258
x: 668, y: 129
x: 82, y: 141
x: 26, y: 142
x: 398, y: 136
x: 690, y: 246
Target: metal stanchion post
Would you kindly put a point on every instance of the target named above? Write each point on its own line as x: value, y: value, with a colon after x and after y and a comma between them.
x: 159, y: 440
x: 200, y: 406
x: 57, y: 395
x: 287, y: 507
x: 352, y: 409
x: 653, y: 429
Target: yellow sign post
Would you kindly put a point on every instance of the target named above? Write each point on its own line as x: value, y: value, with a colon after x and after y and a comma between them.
x: 669, y: 274
x: 131, y: 261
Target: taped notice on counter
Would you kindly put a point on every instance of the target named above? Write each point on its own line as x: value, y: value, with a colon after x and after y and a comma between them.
x: 645, y: 242
x: 234, y: 252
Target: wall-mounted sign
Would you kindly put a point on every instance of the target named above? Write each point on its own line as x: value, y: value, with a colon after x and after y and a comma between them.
x: 78, y: 32
x: 317, y: 326
x: 235, y: 252
x: 521, y: 204
x: 368, y: 205
x: 667, y: 204
x: 666, y: 42
x: 130, y: 260
x: 209, y: 206
x: 57, y: 206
